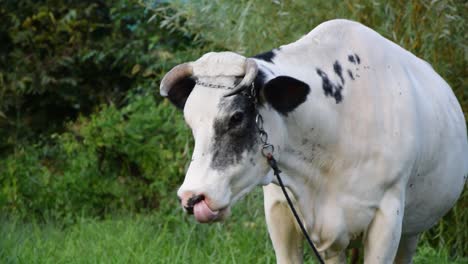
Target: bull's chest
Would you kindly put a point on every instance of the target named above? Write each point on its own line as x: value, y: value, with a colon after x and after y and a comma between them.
x: 337, y: 218
x: 337, y: 204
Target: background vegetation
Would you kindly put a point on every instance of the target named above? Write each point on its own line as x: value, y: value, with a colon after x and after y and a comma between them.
x: 83, y: 139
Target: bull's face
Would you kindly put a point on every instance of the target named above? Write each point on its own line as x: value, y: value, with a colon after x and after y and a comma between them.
x: 227, y: 161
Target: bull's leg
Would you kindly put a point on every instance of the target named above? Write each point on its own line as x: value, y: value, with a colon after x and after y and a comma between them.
x: 383, y: 235
x: 338, y: 259
x: 284, y: 233
x: 406, y: 249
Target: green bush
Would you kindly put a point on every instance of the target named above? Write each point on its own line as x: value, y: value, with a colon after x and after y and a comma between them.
x: 128, y: 158
x: 21, y: 179
x: 60, y: 59
x: 94, y: 66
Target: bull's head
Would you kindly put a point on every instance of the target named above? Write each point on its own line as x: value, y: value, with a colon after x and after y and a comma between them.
x: 227, y: 161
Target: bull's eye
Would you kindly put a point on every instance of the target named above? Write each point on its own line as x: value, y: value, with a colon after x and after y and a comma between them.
x: 236, y: 119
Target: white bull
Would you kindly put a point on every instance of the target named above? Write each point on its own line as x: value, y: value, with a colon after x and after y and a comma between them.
x: 371, y: 140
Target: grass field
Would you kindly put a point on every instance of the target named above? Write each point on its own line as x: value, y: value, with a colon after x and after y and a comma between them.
x: 155, y: 238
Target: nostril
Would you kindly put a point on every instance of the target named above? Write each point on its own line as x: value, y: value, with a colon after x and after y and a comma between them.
x: 192, y: 201
x: 189, y: 209
x: 195, y: 199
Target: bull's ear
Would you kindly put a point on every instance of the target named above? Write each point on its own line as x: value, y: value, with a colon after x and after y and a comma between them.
x: 285, y: 93
x: 177, y: 84
x: 180, y: 91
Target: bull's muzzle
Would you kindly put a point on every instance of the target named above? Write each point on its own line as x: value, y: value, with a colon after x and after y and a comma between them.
x: 197, y: 205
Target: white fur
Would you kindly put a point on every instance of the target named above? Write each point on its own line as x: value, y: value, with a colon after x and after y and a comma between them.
x: 386, y: 163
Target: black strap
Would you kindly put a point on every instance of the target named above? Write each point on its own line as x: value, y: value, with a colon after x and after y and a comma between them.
x: 276, y: 170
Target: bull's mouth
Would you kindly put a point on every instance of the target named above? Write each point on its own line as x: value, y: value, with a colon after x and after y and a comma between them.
x: 204, y: 214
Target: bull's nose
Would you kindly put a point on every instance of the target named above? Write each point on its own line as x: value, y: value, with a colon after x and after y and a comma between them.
x: 189, y: 200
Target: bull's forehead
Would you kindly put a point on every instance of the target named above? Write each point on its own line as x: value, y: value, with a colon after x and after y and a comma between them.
x: 203, y: 106
x: 205, y: 102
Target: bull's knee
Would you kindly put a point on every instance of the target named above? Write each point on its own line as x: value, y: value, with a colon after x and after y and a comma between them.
x: 383, y: 235
x: 284, y: 233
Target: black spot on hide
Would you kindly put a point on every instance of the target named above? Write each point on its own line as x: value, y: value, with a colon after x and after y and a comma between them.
x: 259, y: 81
x: 329, y: 88
x: 339, y: 71
x: 357, y: 59
x: 235, y: 132
x: 354, y: 58
x: 266, y: 56
x: 350, y: 73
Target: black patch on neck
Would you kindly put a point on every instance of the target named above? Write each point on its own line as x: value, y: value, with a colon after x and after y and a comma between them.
x: 266, y: 56
x: 230, y: 142
x: 329, y: 88
x: 338, y: 70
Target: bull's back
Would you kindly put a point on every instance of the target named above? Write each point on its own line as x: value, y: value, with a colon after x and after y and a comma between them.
x: 425, y: 128
x: 398, y: 107
x: 441, y: 158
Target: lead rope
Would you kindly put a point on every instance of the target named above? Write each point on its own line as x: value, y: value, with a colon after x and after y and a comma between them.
x: 272, y: 162
x: 267, y: 152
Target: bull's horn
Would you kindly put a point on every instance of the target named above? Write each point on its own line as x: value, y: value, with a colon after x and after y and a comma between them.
x: 251, y: 70
x: 173, y: 76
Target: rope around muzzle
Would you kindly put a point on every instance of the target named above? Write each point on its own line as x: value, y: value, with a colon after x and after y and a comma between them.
x: 267, y: 152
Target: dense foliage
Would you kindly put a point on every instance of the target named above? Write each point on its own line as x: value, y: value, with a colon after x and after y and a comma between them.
x: 81, y: 132
x: 61, y: 61
x: 62, y: 58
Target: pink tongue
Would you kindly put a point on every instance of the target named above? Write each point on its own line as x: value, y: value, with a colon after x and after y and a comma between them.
x: 203, y: 213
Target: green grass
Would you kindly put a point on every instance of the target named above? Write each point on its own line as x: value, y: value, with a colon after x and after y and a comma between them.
x: 165, y: 237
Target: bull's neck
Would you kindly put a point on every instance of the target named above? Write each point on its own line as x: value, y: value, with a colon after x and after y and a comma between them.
x: 305, y: 149
x: 305, y: 138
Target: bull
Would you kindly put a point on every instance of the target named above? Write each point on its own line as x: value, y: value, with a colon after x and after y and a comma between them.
x: 371, y: 140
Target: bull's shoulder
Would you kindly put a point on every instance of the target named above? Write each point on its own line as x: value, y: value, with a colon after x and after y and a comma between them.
x: 336, y: 38
x: 338, y: 31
